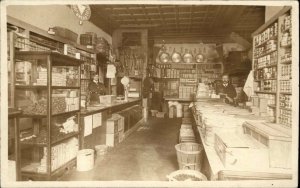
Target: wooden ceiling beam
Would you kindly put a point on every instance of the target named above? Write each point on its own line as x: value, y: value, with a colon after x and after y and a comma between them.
x: 146, y: 14
x: 176, y: 16
x: 191, y: 17
x: 161, y: 16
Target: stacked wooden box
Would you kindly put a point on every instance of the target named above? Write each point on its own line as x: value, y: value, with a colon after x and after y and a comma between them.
x: 186, y: 131
x: 114, y: 130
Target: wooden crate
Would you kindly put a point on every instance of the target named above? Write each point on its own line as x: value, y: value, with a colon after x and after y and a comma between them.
x: 240, y: 150
x: 160, y: 114
x: 112, y: 139
x: 187, y: 120
x: 276, y: 138
x: 227, y: 175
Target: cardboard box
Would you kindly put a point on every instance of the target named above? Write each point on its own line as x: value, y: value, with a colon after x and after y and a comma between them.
x: 120, y: 121
x: 112, y: 139
x: 112, y: 125
x: 107, y: 99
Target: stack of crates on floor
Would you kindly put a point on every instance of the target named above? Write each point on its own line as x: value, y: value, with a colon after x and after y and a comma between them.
x: 186, y: 131
x: 114, y: 130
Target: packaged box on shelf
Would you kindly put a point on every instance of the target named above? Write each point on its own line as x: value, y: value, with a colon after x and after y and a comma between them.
x: 65, y: 33
x: 73, y: 94
x: 107, y: 99
x: 133, y: 94
x: 263, y: 104
x: 241, y: 150
x: 112, y: 139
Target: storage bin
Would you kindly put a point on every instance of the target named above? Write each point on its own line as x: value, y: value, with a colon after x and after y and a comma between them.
x: 85, y: 160
x: 154, y: 112
x: 112, y: 139
x: 186, y: 126
x: 101, y: 150
x: 189, y: 155
x: 187, y: 120
x: 187, y: 135
x: 172, y: 112
x: 186, y: 175
x: 160, y: 114
x: 65, y: 33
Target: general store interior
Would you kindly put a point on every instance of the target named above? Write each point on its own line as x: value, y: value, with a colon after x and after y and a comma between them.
x: 150, y: 92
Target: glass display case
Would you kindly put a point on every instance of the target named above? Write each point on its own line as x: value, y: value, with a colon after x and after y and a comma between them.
x: 47, y: 90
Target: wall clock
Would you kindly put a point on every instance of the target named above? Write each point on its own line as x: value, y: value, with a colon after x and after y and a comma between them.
x: 83, y: 12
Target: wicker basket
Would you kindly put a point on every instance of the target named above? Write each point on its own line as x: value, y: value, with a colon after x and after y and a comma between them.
x: 192, y: 173
x: 189, y: 155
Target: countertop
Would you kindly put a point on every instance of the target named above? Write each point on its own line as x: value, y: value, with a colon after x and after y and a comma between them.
x: 214, y: 161
x: 113, y: 106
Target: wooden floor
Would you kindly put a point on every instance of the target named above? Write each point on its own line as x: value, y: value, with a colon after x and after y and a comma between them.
x: 147, y: 154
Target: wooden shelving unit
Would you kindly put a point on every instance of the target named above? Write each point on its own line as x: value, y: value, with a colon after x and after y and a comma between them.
x: 38, y: 39
x: 193, y: 73
x: 277, y: 74
x: 50, y: 113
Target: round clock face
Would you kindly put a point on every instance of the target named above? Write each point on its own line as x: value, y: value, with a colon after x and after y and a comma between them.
x: 83, y: 12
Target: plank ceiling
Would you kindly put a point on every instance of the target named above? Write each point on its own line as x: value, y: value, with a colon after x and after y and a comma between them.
x: 181, y: 20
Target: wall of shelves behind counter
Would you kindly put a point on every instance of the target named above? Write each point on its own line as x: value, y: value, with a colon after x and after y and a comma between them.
x: 272, y: 65
x: 179, y: 80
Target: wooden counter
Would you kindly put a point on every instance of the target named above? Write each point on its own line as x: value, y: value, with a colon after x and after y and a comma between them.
x: 214, y: 169
x: 178, y: 99
x: 103, y: 112
x: 115, y: 107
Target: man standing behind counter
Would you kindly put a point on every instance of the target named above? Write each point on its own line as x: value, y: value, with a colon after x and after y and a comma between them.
x: 227, y: 89
x: 95, y: 89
